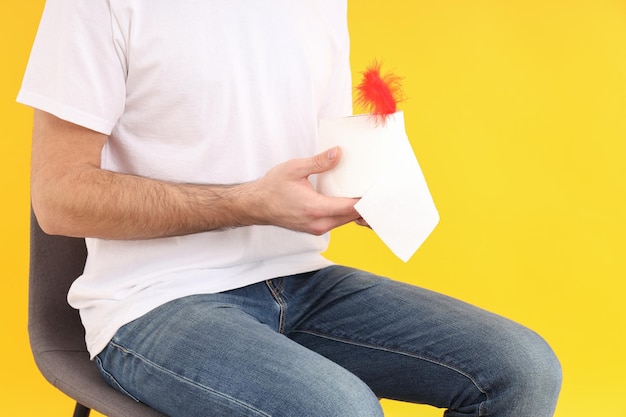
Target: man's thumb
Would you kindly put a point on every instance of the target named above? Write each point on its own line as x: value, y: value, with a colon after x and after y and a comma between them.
x: 324, y: 161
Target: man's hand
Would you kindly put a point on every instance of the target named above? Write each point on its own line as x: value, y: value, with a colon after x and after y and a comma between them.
x: 285, y: 197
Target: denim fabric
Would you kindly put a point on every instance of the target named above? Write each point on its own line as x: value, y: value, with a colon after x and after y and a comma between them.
x: 329, y: 344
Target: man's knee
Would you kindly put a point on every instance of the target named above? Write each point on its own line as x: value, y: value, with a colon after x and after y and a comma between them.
x: 529, y: 376
x: 536, y: 365
x: 341, y: 397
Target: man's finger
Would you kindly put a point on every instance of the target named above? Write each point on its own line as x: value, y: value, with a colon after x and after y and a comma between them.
x: 321, y: 162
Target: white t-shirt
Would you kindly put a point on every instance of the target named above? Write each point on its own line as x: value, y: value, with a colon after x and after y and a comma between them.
x: 207, y: 92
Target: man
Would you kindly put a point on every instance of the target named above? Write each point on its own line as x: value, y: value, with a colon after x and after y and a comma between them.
x: 180, y: 138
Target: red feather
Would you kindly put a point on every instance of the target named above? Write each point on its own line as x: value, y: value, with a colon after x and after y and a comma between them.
x: 379, y: 94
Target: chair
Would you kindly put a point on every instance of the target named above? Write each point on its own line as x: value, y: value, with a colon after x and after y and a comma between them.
x: 56, y: 333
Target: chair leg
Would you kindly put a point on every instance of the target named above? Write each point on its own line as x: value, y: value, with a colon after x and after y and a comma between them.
x: 81, y: 411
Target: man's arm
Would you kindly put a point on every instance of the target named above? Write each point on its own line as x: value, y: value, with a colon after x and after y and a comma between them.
x: 73, y: 196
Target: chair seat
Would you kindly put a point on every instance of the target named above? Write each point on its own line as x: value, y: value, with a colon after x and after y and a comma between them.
x: 57, y: 337
x: 74, y: 374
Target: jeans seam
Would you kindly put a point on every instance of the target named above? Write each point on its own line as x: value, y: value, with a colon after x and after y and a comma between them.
x: 113, y: 380
x: 188, y: 380
x: 275, y: 290
x: 399, y: 352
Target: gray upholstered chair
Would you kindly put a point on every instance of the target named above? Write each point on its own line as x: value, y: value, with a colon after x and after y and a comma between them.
x: 56, y: 333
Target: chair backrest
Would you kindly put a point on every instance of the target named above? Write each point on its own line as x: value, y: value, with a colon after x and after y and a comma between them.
x: 55, y: 262
x: 56, y: 334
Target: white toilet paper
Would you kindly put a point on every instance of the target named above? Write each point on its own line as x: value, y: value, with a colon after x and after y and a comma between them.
x: 379, y: 166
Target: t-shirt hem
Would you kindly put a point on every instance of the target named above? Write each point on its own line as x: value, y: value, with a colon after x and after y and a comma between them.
x: 97, y: 342
x: 65, y: 112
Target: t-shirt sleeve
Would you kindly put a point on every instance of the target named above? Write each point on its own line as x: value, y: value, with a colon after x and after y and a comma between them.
x: 77, y: 68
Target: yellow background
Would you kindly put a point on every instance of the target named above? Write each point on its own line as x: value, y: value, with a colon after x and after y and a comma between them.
x: 516, y: 112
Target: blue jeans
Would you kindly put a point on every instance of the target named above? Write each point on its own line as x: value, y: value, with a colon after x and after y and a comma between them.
x: 329, y: 344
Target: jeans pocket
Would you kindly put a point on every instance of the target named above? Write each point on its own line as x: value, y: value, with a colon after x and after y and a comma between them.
x: 110, y: 379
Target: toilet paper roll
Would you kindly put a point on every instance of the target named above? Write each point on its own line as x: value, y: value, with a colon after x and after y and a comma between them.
x: 378, y: 166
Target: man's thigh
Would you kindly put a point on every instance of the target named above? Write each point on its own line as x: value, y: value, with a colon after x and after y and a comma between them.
x: 416, y: 345
x: 200, y: 357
